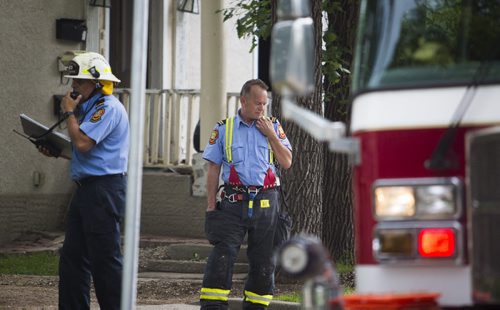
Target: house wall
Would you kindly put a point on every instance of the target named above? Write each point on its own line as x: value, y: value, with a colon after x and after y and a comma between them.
x: 240, y: 65
x: 29, y: 78
x: 35, y: 190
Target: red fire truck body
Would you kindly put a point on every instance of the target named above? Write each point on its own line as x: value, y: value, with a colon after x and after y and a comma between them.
x: 398, y: 136
x: 426, y: 88
x: 425, y: 140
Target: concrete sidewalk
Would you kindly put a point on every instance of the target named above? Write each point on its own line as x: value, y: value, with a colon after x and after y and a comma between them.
x: 169, y: 307
x: 234, y: 303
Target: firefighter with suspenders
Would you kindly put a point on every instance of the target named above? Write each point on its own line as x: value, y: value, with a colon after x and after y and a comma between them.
x: 245, y: 148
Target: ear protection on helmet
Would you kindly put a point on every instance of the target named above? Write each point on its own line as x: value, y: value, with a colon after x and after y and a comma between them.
x: 96, y: 75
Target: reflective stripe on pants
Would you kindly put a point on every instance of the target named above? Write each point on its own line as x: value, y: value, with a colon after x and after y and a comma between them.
x: 258, y: 299
x: 214, y: 294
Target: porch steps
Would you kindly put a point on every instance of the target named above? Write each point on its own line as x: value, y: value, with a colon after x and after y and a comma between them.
x: 181, y: 256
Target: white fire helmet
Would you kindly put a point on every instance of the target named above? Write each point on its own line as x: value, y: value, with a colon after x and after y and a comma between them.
x: 90, y: 65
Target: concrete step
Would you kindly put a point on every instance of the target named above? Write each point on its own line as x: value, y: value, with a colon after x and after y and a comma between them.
x: 181, y: 266
x: 193, y: 277
x: 184, y: 256
x: 183, y: 248
x: 147, y: 240
x: 190, y: 251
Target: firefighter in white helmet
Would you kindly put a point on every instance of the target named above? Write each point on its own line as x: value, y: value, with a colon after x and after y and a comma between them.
x: 99, y: 130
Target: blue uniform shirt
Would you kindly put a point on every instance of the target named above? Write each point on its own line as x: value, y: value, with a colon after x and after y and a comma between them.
x: 104, y: 120
x: 250, y: 151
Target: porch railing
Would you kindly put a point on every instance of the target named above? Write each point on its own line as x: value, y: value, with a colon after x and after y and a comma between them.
x: 171, y: 119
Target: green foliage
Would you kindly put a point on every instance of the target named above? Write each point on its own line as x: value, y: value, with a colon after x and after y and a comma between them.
x: 40, y: 264
x: 344, y: 268
x: 335, y: 65
x: 253, y: 19
x: 349, y: 290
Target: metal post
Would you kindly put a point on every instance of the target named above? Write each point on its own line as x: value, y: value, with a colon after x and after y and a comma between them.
x: 134, y: 188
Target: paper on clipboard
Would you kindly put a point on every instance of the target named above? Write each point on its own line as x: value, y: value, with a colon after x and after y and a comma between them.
x: 35, y: 129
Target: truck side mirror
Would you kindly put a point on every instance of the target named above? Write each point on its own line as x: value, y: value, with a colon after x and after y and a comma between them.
x: 293, y: 9
x: 292, y: 56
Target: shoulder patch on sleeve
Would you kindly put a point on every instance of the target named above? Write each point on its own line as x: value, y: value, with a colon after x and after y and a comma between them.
x: 281, y: 132
x: 97, y: 115
x: 214, y: 136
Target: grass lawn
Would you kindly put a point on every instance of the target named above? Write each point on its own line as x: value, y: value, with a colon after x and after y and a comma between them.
x: 39, y: 264
x: 293, y: 297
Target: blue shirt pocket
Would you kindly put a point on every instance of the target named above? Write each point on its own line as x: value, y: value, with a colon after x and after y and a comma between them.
x: 263, y: 151
x: 238, y: 151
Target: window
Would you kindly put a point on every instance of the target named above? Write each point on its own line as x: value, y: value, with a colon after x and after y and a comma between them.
x: 427, y: 43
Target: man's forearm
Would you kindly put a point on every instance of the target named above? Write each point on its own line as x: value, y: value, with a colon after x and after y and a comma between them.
x: 81, y: 141
x: 281, y: 152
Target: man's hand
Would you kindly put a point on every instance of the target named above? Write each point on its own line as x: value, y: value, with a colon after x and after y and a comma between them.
x: 213, y: 173
x: 69, y: 104
x: 265, y: 125
x: 281, y: 152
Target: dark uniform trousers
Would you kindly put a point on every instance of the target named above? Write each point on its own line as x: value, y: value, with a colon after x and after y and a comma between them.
x: 226, y: 229
x: 92, y: 244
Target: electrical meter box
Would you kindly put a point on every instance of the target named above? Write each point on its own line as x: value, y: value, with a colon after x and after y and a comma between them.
x: 71, y: 29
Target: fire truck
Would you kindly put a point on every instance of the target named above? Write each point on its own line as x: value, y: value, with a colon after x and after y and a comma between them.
x: 424, y: 140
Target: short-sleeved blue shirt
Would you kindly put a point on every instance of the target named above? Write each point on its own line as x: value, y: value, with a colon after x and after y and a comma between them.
x: 250, y: 151
x: 104, y: 120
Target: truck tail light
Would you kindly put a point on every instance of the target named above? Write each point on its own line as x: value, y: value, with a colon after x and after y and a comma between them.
x: 418, y: 242
x: 436, y: 242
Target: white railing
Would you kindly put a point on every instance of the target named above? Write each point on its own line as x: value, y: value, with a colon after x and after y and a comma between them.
x: 171, y: 118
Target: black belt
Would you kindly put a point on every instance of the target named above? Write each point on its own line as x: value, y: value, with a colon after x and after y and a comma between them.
x: 93, y: 178
x: 248, y: 189
x: 240, y: 192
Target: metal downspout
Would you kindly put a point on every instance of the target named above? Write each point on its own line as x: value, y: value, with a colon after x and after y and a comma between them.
x: 134, y: 187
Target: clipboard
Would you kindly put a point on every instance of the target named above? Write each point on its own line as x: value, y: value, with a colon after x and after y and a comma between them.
x: 34, y: 130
